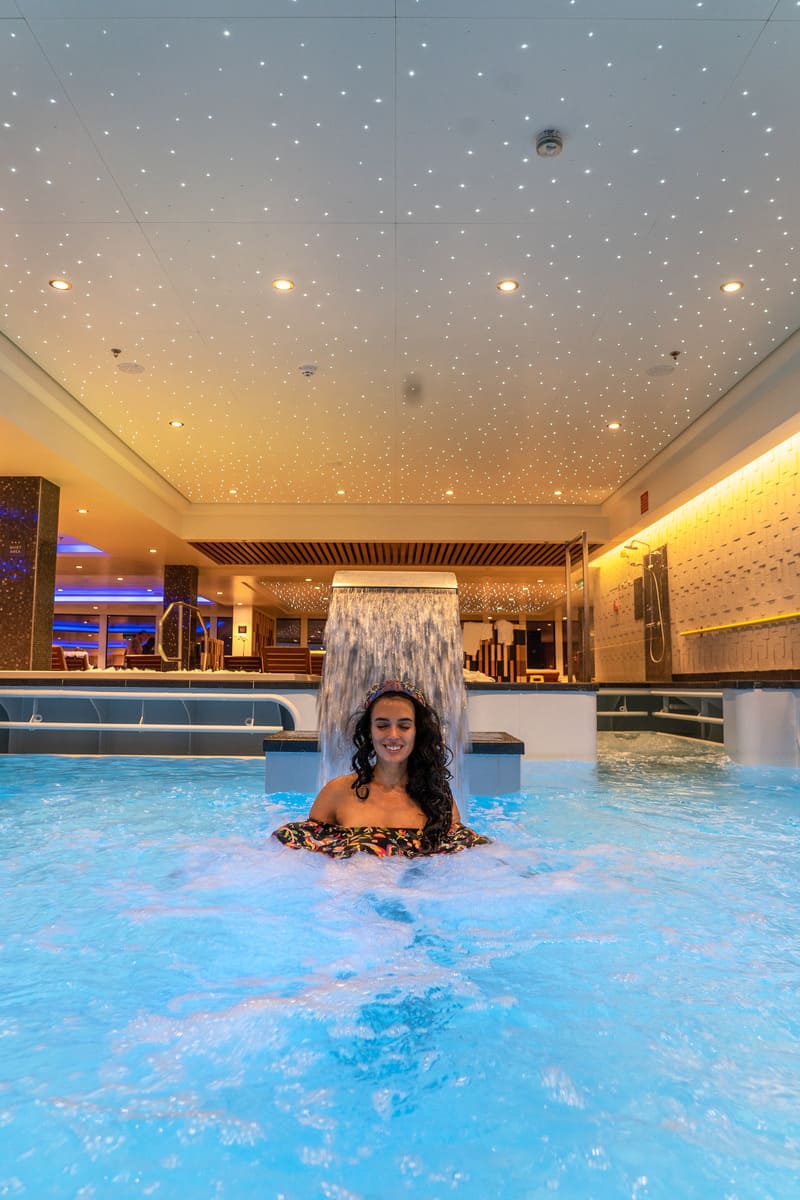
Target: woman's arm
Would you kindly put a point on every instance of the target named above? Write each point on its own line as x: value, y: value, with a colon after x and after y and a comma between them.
x: 325, y: 807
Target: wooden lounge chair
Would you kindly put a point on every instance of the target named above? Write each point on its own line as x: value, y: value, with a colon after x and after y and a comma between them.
x: 286, y: 660
x: 144, y: 662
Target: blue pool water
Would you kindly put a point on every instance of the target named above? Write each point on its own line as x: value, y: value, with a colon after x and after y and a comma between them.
x: 601, y: 1004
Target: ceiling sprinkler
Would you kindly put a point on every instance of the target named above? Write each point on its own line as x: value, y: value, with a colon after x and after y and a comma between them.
x: 549, y: 143
x: 308, y: 369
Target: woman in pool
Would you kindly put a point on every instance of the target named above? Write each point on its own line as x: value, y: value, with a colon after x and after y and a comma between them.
x: 398, y: 799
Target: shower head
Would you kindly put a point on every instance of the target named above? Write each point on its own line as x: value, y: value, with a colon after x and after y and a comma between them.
x: 634, y: 544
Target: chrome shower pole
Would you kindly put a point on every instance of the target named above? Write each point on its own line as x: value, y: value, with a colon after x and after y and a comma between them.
x: 568, y: 609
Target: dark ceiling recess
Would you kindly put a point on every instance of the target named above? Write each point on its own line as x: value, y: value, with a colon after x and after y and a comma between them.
x: 386, y: 554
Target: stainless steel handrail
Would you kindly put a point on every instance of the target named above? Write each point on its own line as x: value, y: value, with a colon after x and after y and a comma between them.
x: 180, y: 604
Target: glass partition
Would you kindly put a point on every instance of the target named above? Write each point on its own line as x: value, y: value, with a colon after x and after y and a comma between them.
x: 129, y: 635
x: 287, y: 631
x: 316, y: 632
x: 76, y: 631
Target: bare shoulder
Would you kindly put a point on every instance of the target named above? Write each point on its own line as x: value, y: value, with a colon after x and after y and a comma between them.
x: 326, y: 806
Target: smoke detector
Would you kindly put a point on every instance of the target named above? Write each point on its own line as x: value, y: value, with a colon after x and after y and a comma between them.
x: 549, y: 143
x: 308, y: 369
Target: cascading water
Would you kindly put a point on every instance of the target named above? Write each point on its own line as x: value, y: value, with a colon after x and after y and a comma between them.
x: 391, y: 626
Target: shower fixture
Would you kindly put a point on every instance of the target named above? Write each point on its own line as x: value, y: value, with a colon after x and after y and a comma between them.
x: 652, y: 585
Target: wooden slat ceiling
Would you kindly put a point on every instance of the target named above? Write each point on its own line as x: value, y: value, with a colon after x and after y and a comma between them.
x: 388, y: 554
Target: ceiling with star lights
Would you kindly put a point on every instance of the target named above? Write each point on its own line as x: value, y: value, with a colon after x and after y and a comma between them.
x: 171, y: 162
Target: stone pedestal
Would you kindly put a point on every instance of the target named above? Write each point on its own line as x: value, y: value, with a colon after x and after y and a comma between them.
x: 553, y: 721
x: 28, y: 543
x: 762, y: 726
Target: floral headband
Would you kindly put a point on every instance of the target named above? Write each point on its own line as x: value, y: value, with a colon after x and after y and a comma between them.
x: 399, y: 686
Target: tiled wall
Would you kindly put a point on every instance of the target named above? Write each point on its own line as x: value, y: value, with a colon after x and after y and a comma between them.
x: 28, y: 538
x: 734, y: 555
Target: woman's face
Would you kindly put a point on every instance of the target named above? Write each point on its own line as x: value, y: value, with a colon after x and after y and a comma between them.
x: 392, y: 728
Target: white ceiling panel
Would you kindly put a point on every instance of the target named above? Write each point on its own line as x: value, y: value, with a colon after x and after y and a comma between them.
x: 236, y: 120
x: 594, y: 10
x: 36, y: 10
x: 473, y: 96
x: 51, y: 169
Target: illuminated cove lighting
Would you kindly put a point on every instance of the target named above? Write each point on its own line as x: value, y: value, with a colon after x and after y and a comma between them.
x: 113, y: 596
x: 71, y: 545
x: 107, y: 596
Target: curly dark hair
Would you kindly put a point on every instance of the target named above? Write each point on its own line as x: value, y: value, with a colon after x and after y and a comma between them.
x: 428, y: 782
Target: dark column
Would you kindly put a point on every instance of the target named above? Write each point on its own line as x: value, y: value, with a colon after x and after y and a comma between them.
x: 28, y: 543
x: 180, y: 583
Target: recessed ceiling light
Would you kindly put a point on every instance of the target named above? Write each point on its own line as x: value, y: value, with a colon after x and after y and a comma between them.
x: 60, y: 285
x: 449, y: 492
x: 733, y: 285
x: 78, y: 567
x: 232, y: 491
x: 613, y: 425
x: 153, y: 550
x: 119, y: 578
x: 340, y: 492
x: 558, y: 493
x: 507, y: 285
x: 176, y: 424
x: 82, y: 511
x: 283, y: 285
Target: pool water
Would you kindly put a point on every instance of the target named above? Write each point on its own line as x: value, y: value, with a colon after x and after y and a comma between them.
x: 601, y: 1004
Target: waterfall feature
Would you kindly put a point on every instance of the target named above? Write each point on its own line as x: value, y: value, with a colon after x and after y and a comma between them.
x: 387, y: 625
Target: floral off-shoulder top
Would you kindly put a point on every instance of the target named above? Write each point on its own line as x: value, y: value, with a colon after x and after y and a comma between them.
x: 339, y: 842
